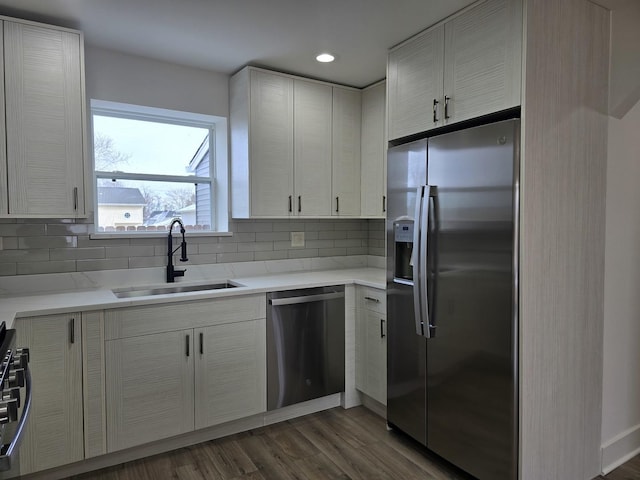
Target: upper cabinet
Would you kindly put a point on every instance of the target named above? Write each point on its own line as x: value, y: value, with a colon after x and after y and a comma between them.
x: 347, y: 112
x: 373, y: 182
x: 463, y: 68
x: 295, y: 146
x: 43, y: 107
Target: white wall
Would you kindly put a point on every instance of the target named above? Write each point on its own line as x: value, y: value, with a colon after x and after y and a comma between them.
x: 119, y: 77
x: 621, y: 382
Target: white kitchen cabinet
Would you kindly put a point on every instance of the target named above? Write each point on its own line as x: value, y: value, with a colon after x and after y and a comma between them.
x: 415, y: 84
x: 373, y: 163
x: 346, y: 137
x: 54, y: 432
x: 162, y: 381
x: 230, y: 372
x: 371, y: 343
x: 295, y: 146
x: 270, y: 136
x: 464, y: 68
x: 44, y: 115
x: 149, y: 385
x: 312, y: 148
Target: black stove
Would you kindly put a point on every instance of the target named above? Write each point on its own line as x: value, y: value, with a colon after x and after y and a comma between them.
x: 15, y: 397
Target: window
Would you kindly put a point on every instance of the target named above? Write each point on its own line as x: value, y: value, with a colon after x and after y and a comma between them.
x: 153, y: 165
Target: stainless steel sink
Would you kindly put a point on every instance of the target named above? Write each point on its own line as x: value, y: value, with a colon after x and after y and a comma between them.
x: 146, y: 291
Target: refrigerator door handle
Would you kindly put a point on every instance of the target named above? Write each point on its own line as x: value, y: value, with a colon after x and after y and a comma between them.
x: 433, y: 259
x: 420, y: 294
x: 416, y: 261
x: 424, y: 259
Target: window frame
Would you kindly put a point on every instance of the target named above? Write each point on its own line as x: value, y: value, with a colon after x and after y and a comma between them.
x: 218, y: 178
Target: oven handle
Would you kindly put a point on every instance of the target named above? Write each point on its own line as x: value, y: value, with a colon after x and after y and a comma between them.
x: 9, y: 450
x: 306, y: 299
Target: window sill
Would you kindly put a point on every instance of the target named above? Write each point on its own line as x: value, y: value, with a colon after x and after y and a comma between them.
x: 158, y: 234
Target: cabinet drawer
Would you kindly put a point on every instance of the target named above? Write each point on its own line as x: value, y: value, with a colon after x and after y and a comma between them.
x: 166, y: 317
x: 372, y: 299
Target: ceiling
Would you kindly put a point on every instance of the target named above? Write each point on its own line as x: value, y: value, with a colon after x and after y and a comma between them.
x: 224, y: 35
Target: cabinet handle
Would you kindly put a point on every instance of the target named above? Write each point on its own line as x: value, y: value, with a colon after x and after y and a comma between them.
x: 384, y: 203
x: 337, y: 204
x: 435, y: 110
x: 201, y: 343
x: 382, y: 335
x: 446, y: 107
x: 372, y: 299
x: 187, y: 345
x: 75, y: 198
x: 299, y: 203
x: 290, y: 203
x: 72, y: 330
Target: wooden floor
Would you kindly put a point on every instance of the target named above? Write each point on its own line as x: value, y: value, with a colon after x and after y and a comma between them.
x: 334, y: 444
x: 628, y: 471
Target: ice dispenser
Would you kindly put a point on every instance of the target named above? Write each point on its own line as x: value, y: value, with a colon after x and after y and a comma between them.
x: 403, y: 239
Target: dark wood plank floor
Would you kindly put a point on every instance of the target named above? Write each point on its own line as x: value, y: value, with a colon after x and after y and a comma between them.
x: 628, y: 471
x: 335, y: 444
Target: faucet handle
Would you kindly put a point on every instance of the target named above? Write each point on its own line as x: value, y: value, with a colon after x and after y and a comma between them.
x: 178, y: 272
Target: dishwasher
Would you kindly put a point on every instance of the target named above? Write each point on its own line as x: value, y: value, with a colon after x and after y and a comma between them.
x: 305, y: 345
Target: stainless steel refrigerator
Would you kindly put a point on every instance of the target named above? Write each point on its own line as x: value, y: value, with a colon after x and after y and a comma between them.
x: 452, y: 291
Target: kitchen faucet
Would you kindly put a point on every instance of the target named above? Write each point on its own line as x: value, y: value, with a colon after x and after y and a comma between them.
x: 173, y: 272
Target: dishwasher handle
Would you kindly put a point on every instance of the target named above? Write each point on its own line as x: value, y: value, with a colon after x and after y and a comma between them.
x: 306, y: 299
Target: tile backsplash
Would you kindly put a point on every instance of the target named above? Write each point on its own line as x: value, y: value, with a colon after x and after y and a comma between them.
x: 57, y: 246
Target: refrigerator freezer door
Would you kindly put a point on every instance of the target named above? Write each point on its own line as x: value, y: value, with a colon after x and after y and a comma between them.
x: 471, y: 386
x: 406, y: 350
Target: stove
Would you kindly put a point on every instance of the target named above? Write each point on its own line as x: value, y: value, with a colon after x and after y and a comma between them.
x: 15, y: 399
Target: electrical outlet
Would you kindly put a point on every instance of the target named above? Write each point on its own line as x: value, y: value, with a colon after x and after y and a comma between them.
x: 297, y: 239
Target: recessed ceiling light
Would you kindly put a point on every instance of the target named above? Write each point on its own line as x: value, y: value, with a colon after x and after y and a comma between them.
x: 325, y: 58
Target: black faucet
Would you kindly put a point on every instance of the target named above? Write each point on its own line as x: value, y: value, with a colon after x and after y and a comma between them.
x: 173, y: 272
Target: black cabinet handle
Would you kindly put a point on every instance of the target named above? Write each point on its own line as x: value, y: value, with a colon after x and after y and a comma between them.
x: 384, y: 203
x: 337, y: 204
x: 72, y: 330
x: 290, y: 203
x: 299, y: 203
x: 187, y: 345
x: 446, y: 107
x: 435, y: 110
x: 382, y: 335
x: 201, y: 343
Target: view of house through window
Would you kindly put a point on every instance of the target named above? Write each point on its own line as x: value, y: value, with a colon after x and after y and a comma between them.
x: 150, y: 169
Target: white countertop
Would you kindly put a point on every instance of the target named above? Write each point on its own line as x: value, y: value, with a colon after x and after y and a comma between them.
x: 86, y: 299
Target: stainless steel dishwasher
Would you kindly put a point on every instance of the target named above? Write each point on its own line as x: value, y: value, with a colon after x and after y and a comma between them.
x: 305, y: 344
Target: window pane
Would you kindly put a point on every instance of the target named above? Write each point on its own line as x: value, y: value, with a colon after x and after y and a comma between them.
x: 140, y: 146
x: 134, y: 205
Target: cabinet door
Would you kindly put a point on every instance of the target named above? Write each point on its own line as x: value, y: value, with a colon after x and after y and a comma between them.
x: 54, y: 432
x: 482, y: 71
x: 415, y: 73
x: 149, y: 385
x: 4, y: 205
x: 347, y: 118
x: 271, y: 144
x: 44, y: 102
x: 230, y: 372
x: 312, y: 148
x: 372, y: 185
x: 371, y: 354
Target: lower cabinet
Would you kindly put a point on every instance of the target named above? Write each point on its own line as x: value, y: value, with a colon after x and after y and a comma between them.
x: 149, y: 385
x: 162, y: 384
x: 54, y: 432
x: 371, y: 343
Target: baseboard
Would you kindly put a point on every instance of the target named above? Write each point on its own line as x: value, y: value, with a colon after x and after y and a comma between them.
x: 375, y: 406
x: 620, y: 449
